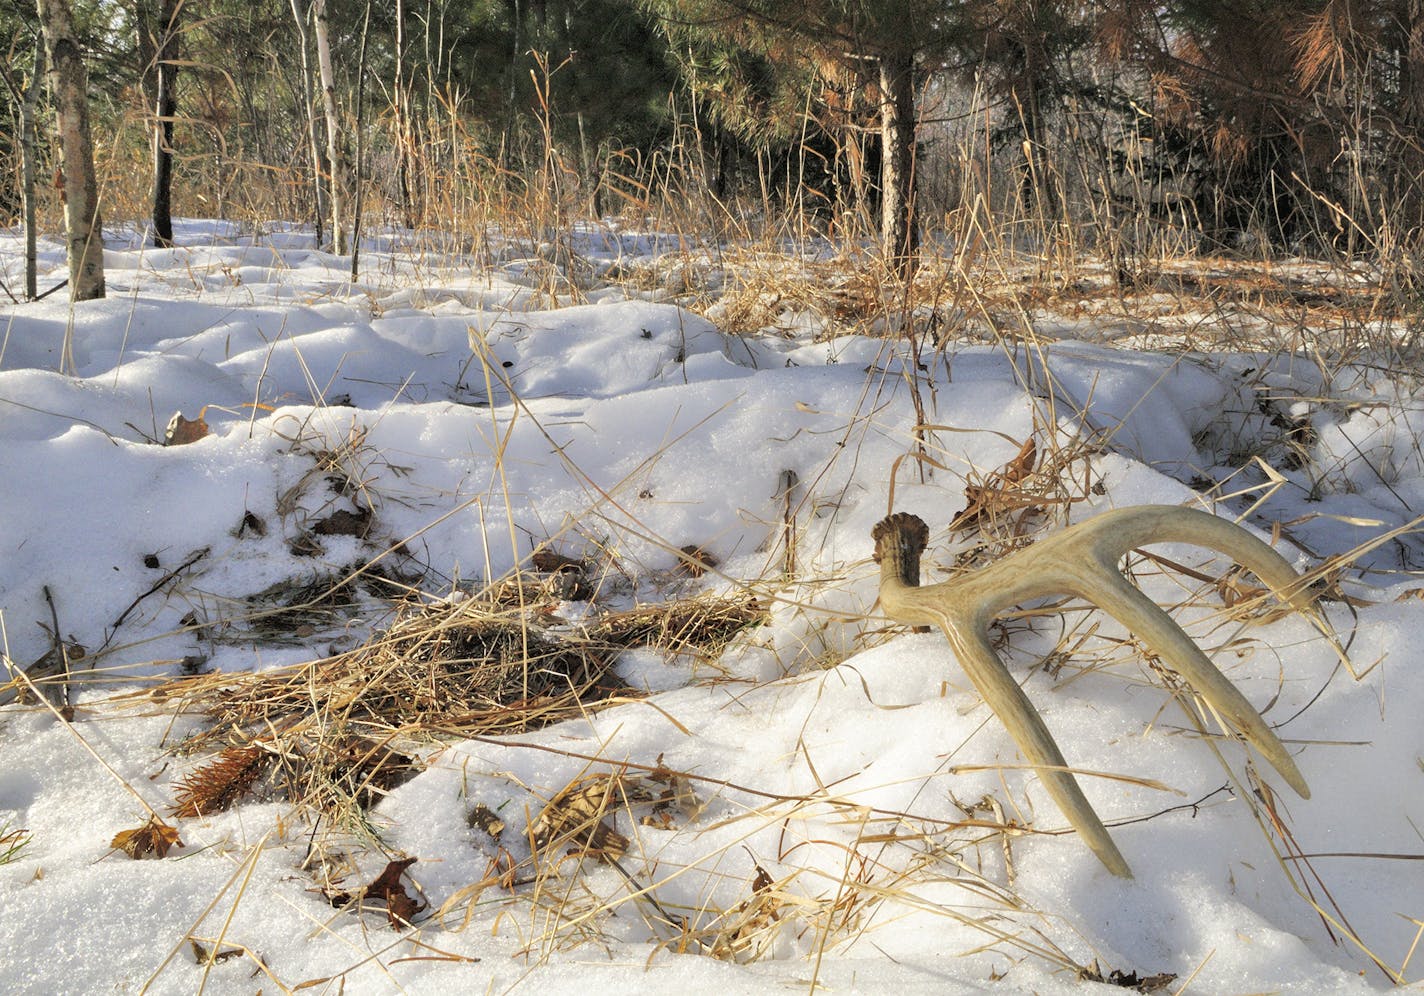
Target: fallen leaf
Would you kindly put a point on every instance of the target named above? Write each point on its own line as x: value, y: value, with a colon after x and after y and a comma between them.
x: 548, y: 560
x: 1127, y: 980
x: 484, y: 818
x: 250, y: 524
x: 154, y: 837
x: 696, y: 561
x: 1017, y: 469
x: 181, y: 430
x: 202, y: 955
x: 344, y: 523
x: 400, y: 905
x: 305, y: 545
x: 574, y: 816
x: 569, y: 585
x: 761, y: 881
x: 979, y: 499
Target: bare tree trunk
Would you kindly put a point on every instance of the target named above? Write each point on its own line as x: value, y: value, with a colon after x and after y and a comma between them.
x: 1412, y: 86
x: 1411, y: 162
x: 588, y: 170
x: 899, y: 235
x: 82, y: 221
x: 319, y: 209
x: 1036, y: 187
x: 165, y: 106
x: 360, y: 148
x: 27, y: 99
x: 404, y: 145
x: 333, y: 125
x: 145, y: 35
x: 516, y: 57
x: 29, y: 155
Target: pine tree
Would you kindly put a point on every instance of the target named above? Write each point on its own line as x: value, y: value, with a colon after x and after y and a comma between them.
x: 742, y: 52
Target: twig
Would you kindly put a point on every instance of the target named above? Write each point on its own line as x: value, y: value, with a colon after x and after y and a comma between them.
x: 57, y: 646
x: 74, y: 419
x: 62, y: 283
x: 644, y: 893
x: 171, y: 575
x: 877, y: 811
x: 787, y: 485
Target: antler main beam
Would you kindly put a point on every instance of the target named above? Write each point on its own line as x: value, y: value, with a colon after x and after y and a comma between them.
x: 1083, y: 561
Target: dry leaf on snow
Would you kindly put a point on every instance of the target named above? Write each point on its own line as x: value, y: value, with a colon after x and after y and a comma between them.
x: 181, y: 430
x: 155, y: 837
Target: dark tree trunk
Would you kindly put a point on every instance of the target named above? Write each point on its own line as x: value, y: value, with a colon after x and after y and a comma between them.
x: 899, y: 235
x: 358, y: 198
x: 146, y: 27
x: 587, y: 169
x: 1411, y: 84
x: 26, y: 98
x: 1036, y: 189
x: 725, y: 157
x: 80, y: 191
x: 165, y: 106
x: 29, y: 156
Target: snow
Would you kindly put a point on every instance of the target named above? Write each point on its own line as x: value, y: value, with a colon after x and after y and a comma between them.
x: 832, y: 749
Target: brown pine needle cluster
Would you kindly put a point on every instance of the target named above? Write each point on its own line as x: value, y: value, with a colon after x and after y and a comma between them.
x: 216, y: 786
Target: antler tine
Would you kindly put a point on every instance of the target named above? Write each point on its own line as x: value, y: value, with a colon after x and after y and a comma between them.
x: 1082, y: 560
x: 899, y: 541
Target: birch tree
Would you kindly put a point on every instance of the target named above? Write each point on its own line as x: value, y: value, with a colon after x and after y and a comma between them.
x: 400, y: 103
x: 333, y: 124
x: 80, y: 191
x: 314, y: 142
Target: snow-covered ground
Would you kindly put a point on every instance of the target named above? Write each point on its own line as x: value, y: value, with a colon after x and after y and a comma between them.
x: 828, y: 749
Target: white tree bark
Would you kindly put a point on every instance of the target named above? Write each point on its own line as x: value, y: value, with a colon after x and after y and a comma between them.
x: 401, y: 105
x: 80, y: 191
x: 317, y: 198
x: 333, y: 135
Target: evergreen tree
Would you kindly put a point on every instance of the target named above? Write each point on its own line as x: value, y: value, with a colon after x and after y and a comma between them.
x: 741, y: 54
x: 1300, y: 120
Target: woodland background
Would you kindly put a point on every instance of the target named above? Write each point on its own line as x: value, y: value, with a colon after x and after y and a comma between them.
x: 1119, y: 129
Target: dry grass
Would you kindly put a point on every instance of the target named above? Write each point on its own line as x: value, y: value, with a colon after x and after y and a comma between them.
x: 889, y: 860
x: 327, y: 731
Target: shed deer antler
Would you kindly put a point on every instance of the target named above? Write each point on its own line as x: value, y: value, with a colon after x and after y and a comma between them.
x: 1082, y: 561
